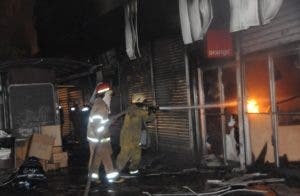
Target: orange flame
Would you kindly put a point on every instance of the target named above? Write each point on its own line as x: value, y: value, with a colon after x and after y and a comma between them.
x: 252, y: 106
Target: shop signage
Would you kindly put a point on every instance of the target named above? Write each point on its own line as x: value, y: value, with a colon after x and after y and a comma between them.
x: 219, y: 44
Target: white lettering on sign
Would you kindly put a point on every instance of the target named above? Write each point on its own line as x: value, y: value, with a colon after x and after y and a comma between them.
x: 219, y: 52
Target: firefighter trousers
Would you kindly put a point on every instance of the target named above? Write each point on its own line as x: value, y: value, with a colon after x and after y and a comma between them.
x: 100, y: 153
x: 129, y: 153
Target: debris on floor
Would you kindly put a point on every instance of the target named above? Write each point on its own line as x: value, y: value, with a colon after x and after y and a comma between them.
x: 244, y: 184
x: 211, y: 160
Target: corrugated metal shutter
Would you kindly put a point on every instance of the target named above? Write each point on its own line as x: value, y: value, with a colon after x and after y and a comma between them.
x: 65, y: 97
x: 284, y: 29
x: 138, y: 80
x: 170, y: 88
x: 75, y: 96
x: 63, y: 101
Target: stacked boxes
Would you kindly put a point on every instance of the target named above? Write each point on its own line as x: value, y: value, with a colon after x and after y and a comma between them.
x: 59, y: 159
x: 46, y: 146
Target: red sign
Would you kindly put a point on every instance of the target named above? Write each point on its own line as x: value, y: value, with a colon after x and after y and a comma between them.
x: 219, y: 44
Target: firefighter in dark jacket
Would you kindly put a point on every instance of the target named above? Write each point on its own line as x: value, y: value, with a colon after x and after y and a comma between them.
x: 99, y: 137
x: 131, y: 134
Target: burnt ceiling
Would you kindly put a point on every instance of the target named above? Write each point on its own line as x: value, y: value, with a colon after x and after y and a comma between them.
x: 79, y: 29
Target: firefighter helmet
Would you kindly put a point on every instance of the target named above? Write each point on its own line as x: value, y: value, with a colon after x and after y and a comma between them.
x: 138, y: 98
x: 103, y: 88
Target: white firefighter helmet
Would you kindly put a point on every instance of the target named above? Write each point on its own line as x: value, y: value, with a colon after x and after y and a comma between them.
x: 138, y: 98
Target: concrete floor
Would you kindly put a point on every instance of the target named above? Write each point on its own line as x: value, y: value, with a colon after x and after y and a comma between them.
x: 159, y: 179
x: 71, y: 182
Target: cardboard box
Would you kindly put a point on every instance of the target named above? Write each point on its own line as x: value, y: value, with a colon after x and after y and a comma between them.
x: 41, y: 146
x: 52, y: 166
x: 59, y: 157
x: 57, y: 149
x: 53, y: 131
x: 21, y: 150
x: 44, y: 164
x: 63, y: 164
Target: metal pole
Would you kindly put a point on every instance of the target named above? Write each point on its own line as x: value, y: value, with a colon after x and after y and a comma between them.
x: 188, y: 96
x: 217, y: 105
x: 202, y: 110
x: 154, y: 96
x: 1, y: 104
x: 248, y: 149
x: 5, y: 105
x: 197, y: 120
x: 273, y: 108
x: 240, y: 108
x: 222, y: 101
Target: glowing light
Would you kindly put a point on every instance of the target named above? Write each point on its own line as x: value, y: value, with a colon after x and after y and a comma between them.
x: 100, y: 129
x: 97, y: 117
x: 94, y: 140
x: 112, y: 175
x: 252, y: 106
x: 134, y: 172
x: 85, y: 109
x: 59, y: 107
x: 72, y: 108
x: 95, y: 176
x: 104, y: 121
x: 105, y: 140
x: 103, y: 90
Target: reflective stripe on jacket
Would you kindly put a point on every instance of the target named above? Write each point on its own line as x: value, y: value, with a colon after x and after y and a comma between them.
x: 98, y: 118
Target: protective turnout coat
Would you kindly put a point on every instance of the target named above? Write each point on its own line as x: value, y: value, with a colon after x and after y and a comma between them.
x: 130, y: 137
x: 99, y: 113
x: 99, y: 137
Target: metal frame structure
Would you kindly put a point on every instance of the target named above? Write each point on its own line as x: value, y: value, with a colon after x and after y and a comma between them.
x: 196, y: 116
x: 34, y: 84
x: 202, y: 106
x: 274, y: 114
x: 222, y: 101
x: 154, y: 97
x: 202, y: 110
x: 269, y: 56
x: 188, y: 87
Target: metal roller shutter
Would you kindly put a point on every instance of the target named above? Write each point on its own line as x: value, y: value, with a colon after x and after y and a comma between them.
x: 167, y: 57
x: 65, y: 97
x: 138, y: 80
x: 170, y: 89
x: 75, y: 96
x: 63, y: 101
x: 283, y: 29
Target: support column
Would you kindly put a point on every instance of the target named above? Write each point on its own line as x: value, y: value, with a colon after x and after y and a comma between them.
x: 188, y: 88
x: 222, y: 101
x: 240, y: 97
x: 202, y: 110
x: 273, y: 109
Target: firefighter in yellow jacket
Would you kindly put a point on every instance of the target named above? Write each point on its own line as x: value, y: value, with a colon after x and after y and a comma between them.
x: 131, y: 134
x: 98, y: 135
